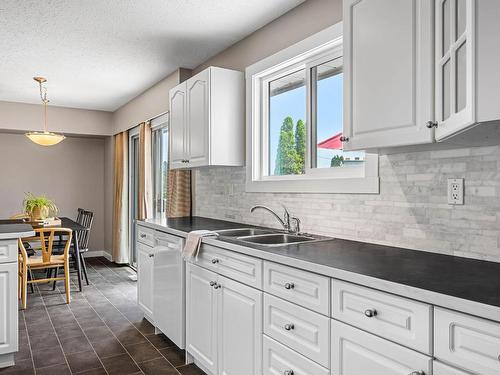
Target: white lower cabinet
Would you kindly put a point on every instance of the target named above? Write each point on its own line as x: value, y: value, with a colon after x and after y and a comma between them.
x: 239, y: 328
x: 278, y: 359
x: 355, y: 352
x: 8, y: 309
x: 305, y: 331
x: 224, y: 323
x: 145, y: 264
x: 467, y: 342
x: 201, y: 320
x: 442, y: 369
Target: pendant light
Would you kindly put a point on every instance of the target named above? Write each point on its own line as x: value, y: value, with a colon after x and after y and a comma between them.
x: 44, y: 138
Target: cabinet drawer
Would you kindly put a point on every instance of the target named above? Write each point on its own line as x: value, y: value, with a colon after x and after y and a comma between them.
x: 240, y: 267
x: 278, y: 359
x: 442, y: 369
x: 356, y: 352
x: 303, y: 330
x: 145, y: 235
x: 301, y: 287
x: 8, y: 251
x: 404, y: 321
x: 469, y: 342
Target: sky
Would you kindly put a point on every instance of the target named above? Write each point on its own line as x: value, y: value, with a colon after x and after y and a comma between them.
x: 293, y: 103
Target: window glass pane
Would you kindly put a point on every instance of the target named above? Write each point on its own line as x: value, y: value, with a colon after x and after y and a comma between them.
x: 461, y: 75
x: 160, y: 171
x: 461, y: 18
x: 446, y: 90
x: 327, y: 147
x: 287, y: 134
x: 446, y: 25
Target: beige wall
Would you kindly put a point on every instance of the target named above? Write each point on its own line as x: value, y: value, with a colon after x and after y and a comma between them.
x: 299, y: 23
x: 71, y: 173
x: 151, y: 103
x: 22, y: 117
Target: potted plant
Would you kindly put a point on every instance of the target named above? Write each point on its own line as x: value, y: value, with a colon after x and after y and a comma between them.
x: 39, y: 208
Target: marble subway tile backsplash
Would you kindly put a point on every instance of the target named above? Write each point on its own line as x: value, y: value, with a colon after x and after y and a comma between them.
x: 410, y: 211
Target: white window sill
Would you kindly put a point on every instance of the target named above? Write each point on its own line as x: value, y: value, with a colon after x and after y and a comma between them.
x: 361, y: 185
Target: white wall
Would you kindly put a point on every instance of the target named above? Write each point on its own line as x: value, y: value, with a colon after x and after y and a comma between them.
x: 71, y: 173
x: 149, y: 104
x: 22, y: 117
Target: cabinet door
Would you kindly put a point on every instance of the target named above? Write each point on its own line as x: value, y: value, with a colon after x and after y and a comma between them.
x: 145, y: 278
x: 198, y: 118
x: 201, y: 320
x: 455, y: 85
x: 388, y: 73
x: 8, y: 308
x: 178, y: 127
x: 239, y: 328
x: 356, y: 352
x: 442, y: 369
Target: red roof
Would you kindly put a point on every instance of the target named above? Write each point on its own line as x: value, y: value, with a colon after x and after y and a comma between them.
x: 332, y: 143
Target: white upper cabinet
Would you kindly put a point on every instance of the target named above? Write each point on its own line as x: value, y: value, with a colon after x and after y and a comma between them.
x: 455, y: 55
x: 467, y: 79
x: 388, y: 73
x: 207, y: 120
x: 177, y: 127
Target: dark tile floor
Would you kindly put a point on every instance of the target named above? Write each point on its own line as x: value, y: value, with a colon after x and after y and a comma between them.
x: 102, y: 331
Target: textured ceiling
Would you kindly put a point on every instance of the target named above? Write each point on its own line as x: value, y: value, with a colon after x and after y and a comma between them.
x: 99, y: 54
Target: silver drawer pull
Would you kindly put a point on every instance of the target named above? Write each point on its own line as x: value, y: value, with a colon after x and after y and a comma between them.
x: 417, y: 373
x: 212, y: 283
x: 370, y: 313
x: 217, y: 286
x: 215, y: 261
x: 289, y: 327
x: 143, y: 235
x: 288, y: 372
x: 289, y: 285
x: 151, y: 255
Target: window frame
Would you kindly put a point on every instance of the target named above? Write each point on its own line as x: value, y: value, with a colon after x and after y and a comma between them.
x: 313, y: 51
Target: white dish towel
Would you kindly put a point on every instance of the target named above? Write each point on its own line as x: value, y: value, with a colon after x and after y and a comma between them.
x: 193, y: 243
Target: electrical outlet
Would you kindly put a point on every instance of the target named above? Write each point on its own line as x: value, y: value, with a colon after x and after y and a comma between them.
x: 455, y: 191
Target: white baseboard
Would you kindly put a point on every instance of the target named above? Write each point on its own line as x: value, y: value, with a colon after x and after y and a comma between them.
x: 98, y: 253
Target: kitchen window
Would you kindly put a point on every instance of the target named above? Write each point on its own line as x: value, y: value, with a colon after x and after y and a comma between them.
x: 295, y: 121
x: 159, y: 148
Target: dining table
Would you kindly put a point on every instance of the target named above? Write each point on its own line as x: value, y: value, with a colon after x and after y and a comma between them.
x: 66, y: 222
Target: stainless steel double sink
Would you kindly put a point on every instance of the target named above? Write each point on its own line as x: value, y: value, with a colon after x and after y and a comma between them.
x: 267, y: 237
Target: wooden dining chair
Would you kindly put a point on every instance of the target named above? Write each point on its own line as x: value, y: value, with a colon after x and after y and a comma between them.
x: 46, y: 261
x: 85, y: 218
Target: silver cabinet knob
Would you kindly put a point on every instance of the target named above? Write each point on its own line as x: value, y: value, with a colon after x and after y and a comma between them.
x: 417, y: 373
x: 215, y: 261
x: 142, y: 235
x: 289, y: 327
x: 217, y: 286
x: 370, y: 313
x: 289, y: 285
x: 212, y: 283
x: 288, y: 372
x: 431, y: 124
x: 151, y: 255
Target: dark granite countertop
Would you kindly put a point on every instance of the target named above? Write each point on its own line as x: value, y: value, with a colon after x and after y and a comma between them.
x: 15, y: 230
x: 469, y: 279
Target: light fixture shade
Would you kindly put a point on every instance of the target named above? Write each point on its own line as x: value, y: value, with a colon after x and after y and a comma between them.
x: 45, y: 138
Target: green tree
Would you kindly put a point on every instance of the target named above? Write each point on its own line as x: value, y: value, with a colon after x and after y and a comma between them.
x: 300, y: 145
x: 337, y: 161
x: 286, y: 155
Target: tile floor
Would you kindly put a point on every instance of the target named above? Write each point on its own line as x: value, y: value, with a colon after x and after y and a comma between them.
x: 102, y: 331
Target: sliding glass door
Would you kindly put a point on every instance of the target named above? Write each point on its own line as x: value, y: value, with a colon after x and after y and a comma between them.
x: 133, y: 191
